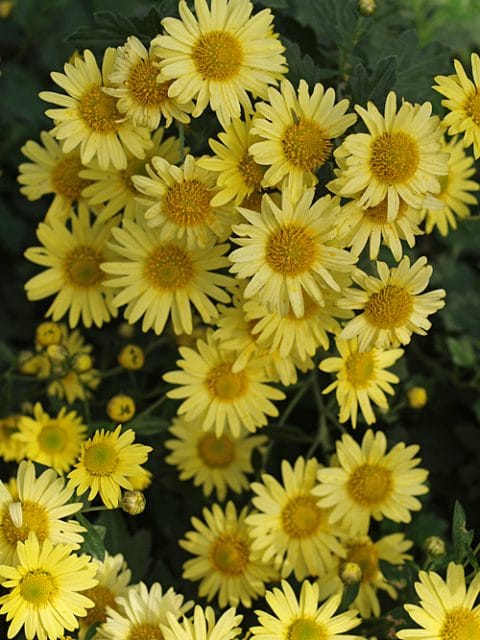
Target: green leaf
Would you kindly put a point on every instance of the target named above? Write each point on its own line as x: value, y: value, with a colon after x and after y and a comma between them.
x: 287, y: 433
x: 461, y: 537
x: 349, y: 594
x: 303, y: 66
x: 332, y: 21
x: 462, y: 351
x: 376, y: 85
x: 149, y: 425
x: 93, y: 540
x: 92, y: 630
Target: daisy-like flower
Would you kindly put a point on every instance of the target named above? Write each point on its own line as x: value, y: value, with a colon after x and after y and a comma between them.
x: 392, y: 305
x: 220, y: 399
x: 142, y: 95
x: 11, y: 449
x: 219, y: 55
x: 287, y: 252
x: 447, y: 608
x: 226, y: 564
x: 156, y: 278
x: 40, y: 505
x: 202, y: 626
x: 107, y: 462
x: 214, y: 462
x: 361, y: 379
x: 289, y: 528
x: 45, y: 589
x: 371, y: 483
x: 296, y: 133
x: 456, y: 190
x: 300, y: 618
x: 72, y: 258
x: 463, y: 101
x: 89, y: 118
x: 399, y: 157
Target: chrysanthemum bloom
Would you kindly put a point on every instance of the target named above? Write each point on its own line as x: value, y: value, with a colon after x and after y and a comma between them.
x: 455, y: 190
x: 392, y: 305
x: 287, y: 252
x: 447, y: 608
x: 158, y: 278
x: 226, y: 564
x: 361, y: 379
x: 219, y: 463
x: 11, y: 449
x: 107, y: 462
x: 371, y: 483
x: 366, y: 555
x: 296, y: 133
x: 218, y: 398
x: 72, y: 257
x: 304, y: 617
x: 54, y: 441
x: 399, y: 157
x: 142, y: 95
x: 89, y: 118
x: 218, y: 56
x: 45, y: 589
x: 202, y: 626
x: 289, y: 528
x: 51, y: 171
x: 41, y: 504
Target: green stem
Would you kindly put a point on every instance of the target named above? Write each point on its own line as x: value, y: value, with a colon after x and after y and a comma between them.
x: 293, y: 403
x: 323, y: 437
x: 99, y: 508
x: 151, y: 408
x: 112, y: 372
x: 181, y: 139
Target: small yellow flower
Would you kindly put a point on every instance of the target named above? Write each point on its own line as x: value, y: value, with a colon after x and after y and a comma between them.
x: 48, y: 333
x: 417, y: 397
x: 121, y: 408
x: 131, y: 357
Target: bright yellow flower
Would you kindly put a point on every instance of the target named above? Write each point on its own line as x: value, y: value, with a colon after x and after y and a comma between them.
x: 11, y: 449
x: 202, y: 626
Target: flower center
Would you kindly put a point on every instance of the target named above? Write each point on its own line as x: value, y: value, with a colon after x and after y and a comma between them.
x: 366, y: 556
x: 65, y: 178
x: 395, y: 157
x: 217, y: 56
x: 473, y: 107
x: 52, y: 439
x: 39, y: 588
x: 215, y: 452
x: 100, y: 459
x: 307, y: 629
x: 301, y: 517
x: 378, y: 213
x: 291, y: 250
x: 33, y: 518
x: 82, y: 267
x: 169, y: 268
x: 187, y: 203
x: 360, y: 368
x: 252, y: 172
x: 389, y: 308
x: 305, y: 145
x: 99, y: 111
x: 460, y: 624
x: 370, y: 485
x: 143, y: 85
x: 103, y: 598
x: 145, y: 632
x: 224, y: 384
x: 230, y: 555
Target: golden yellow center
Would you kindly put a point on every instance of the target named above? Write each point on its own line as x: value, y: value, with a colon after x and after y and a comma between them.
x: 216, y: 453
x: 394, y: 158
x: 187, y: 203
x: 169, y: 268
x: 82, y: 267
x: 252, y: 172
x: 100, y: 459
x: 224, y: 384
x: 143, y: 85
x: 301, y: 517
x: 65, y: 178
x: 360, y: 368
x: 291, y: 250
x: 103, y: 598
x: 307, y: 629
x: 53, y: 439
x: 305, y: 146
x: 366, y: 556
x: 229, y: 554
x: 38, y: 588
x: 218, y: 56
x: 389, y: 308
x: 460, y: 624
x: 99, y: 111
x: 370, y: 485
x: 378, y: 213
x: 34, y: 518
x: 145, y: 631
x: 472, y: 106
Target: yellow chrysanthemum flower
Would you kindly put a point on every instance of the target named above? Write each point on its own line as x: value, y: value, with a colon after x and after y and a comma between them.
x: 45, y: 589
x: 107, y: 462
x: 392, y: 305
x: 72, y: 258
x: 89, y: 118
x: 447, y: 608
x: 287, y: 252
x: 296, y: 133
x: 202, y: 626
x: 158, y: 278
x: 226, y: 564
x: 218, y: 398
x: 219, y: 55
x: 304, y: 617
x: 289, y: 528
x: 11, y: 449
x: 361, y: 378
x: 371, y: 483
x: 399, y: 157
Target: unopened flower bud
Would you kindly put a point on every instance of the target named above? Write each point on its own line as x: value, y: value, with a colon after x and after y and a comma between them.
x: 48, y: 333
x: 121, y: 408
x: 29, y: 363
x: 434, y: 546
x: 131, y: 357
x: 133, y: 502
x: 126, y: 330
x: 367, y: 7
x: 82, y: 362
x: 417, y: 397
x: 350, y: 573
x: 57, y: 353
